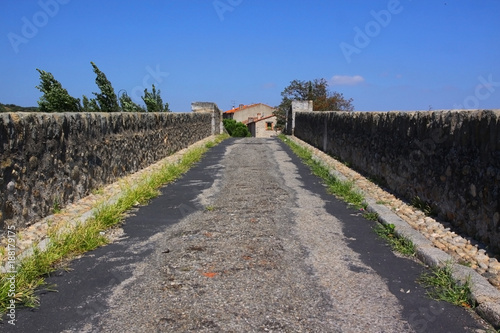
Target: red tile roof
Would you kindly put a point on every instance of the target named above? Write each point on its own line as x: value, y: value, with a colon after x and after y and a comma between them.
x: 245, y: 107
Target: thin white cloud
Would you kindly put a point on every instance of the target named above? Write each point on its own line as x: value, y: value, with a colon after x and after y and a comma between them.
x: 269, y: 85
x: 346, y: 80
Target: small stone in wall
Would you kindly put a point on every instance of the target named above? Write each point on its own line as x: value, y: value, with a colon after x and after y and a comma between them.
x: 33, y: 162
x: 473, y: 190
x: 75, y: 173
x: 11, y: 186
x: 496, y: 219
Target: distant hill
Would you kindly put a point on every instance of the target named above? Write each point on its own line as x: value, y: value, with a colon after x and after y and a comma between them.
x: 17, y: 108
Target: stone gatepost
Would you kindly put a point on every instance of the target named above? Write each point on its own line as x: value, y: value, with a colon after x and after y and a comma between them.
x: 297, y: 106
x: 209, y: 107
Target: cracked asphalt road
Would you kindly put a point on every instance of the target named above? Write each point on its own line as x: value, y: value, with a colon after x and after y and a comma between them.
x: 247, y: 241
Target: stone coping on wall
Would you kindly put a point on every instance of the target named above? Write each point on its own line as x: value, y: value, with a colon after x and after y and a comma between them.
x: 49, y: 160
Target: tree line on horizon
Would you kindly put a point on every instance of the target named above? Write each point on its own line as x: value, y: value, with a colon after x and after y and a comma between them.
x: 17, y: 108
x: 55, y: 98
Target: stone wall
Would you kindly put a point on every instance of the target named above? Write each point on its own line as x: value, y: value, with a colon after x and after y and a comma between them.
x: 57, y: 158
x: 212, y: 108
x: 449, y: 159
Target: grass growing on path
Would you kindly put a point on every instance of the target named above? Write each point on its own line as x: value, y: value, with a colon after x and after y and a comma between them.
x: 439, y: 282
x: 63, y: 246
x: 345, y: 190
x: 442, y: 287
x: 399, y: 244
x: 342, y: 189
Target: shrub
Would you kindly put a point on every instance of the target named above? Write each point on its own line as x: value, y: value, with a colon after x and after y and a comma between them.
x: 236, y: 129
x: 241, y: 130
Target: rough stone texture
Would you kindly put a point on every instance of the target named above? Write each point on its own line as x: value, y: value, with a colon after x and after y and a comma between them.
x: 213, y: 109
x: 449, y: 159
x: 55, y: 159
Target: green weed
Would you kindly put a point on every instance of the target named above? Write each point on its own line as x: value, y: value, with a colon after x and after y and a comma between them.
x: 442, y: 287
x: 63, y: 246
x: 56, y: 206
x: 342, y: 189
x: 371, y: 216
x: 399, y: 244
x: 97, y: 191
x: 424, y: 206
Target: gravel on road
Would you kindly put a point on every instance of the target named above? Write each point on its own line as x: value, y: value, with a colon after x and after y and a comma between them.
x: 265, y: 255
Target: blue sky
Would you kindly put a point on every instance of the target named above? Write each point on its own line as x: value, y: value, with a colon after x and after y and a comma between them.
x: 386, y: 55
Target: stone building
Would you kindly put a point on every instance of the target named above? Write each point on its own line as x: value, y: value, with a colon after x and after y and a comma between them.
x: 243, y: 112
x: 263, y: 127
x: 259, y: 119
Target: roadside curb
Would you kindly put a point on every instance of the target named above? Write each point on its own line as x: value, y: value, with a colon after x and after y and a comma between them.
x: 486, y: 296
x: 483, y: 293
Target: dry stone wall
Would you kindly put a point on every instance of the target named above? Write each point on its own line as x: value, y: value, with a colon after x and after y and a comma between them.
x: 56, y: 158
x: 449, y: 159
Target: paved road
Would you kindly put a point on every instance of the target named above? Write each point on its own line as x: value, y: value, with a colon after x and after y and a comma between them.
x: 247, y: 241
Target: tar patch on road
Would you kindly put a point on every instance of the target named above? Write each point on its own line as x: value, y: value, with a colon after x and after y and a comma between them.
x: 83, y: 289
x: 421, y: 312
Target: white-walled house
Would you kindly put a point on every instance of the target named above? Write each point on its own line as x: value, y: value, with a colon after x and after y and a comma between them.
x: 259, y: 119
x: 262, y: 127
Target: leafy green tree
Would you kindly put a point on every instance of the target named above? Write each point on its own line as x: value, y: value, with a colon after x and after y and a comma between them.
x: 316, y: 91
x: 55, y: 98
x: 154, y: 102
x: 106, y: 100
x: 128, y: 105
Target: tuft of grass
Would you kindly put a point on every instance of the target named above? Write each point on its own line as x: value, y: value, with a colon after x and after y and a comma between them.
x: 342, y: 189
x: 345, y: 191
x: 424, y: 206
x: 210, y: 208
x: 56, y: 206
x: 442, y: 287
x: 371, y: 216
x: 464, y: 263
x: 399, y: 244
x: 63, y: 246
x: 97, y: 191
